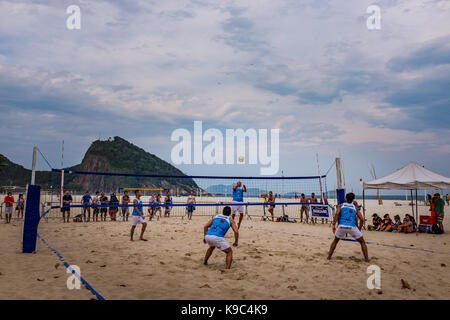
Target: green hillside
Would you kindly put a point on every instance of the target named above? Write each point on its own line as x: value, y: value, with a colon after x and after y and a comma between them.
x: 113, y: 155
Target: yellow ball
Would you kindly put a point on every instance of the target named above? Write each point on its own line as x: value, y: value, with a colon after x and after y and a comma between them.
x: 241, y: 159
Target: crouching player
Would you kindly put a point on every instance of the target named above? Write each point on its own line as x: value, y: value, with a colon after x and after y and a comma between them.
x: 346, y: 216
x: 214, y: 233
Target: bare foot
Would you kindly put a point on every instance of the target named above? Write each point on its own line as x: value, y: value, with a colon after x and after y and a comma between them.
x: 142, y: 239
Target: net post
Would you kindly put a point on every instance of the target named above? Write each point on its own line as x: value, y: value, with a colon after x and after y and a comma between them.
x: 61, y: 192
x: 246, y: 212
x: 31, y: 219
x: 33, y: 167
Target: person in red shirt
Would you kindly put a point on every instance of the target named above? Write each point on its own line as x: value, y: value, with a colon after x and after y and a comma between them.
x: 9, y: 203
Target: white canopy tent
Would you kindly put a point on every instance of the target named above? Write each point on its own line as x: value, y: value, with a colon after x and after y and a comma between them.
x: 410, y: 177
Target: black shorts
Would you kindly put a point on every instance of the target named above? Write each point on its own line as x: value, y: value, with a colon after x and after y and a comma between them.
x: 96, y: 210
x: 103, y: 210
x: 65, y: 209
x: 190, y: 209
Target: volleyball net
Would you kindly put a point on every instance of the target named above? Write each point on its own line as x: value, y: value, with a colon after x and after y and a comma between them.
x: 211, y: 193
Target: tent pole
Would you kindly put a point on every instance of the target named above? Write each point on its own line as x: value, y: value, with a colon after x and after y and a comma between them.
x: 417, y: 215
x: 364, y: 209
x: 412, y: 202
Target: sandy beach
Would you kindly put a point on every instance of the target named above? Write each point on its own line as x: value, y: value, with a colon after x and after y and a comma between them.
x: 273, y: 261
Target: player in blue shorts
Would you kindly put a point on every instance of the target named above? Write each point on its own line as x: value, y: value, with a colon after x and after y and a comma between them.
x: 238, y: 201
x: 214, y: 233
x: 138, y: 216
x: 346, y: 215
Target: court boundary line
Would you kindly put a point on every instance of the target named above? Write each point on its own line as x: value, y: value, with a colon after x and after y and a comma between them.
x: 67, y: 265
x: 352, y: 240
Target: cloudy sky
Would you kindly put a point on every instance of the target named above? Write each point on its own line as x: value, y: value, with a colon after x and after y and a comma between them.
x: 141, y: 69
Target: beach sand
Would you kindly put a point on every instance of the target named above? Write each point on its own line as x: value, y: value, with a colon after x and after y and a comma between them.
x: 273, y: 261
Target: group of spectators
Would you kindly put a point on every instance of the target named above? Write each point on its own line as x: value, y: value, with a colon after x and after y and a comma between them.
x: 9, y: 203
x: 110, y: 206
x: 408, y: 225
x: 87, y: 201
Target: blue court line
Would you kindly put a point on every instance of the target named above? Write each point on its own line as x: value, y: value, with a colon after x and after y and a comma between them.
x: 86, y: 284
x: 352, y: 240
x: 394, y: 246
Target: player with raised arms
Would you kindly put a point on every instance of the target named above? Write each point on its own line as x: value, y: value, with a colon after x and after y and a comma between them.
x: 238, y: 201
x: 214, y: 233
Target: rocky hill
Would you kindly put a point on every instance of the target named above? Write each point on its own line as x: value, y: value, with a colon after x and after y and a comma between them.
x: 113, y: 155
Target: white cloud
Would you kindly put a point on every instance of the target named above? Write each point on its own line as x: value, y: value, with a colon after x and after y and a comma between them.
x: 310, y: 68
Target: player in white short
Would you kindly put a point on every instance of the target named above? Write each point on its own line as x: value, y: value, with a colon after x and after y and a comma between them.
x: 346, y: 216
x: 214, y: 233
x: 138, y: 216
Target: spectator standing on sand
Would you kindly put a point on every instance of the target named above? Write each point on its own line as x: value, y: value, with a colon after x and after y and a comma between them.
x: 447, y: 199
x: 157, y: 209
x: 103, y: 210
x: 304, y: 208
x: 9, y: 204
x: 86, y: 202
x: 313, y: 199
x: 67, y: 200
x: 20, y: 206
x: 168, y: 201
x: 190, y: 209
x: 96, y: 210
x: 125, y: 210
x: 432, y: 206
x: 151, y: 209
x: 113, y: 201
x: 271, y: 200
x: 439, y: 209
